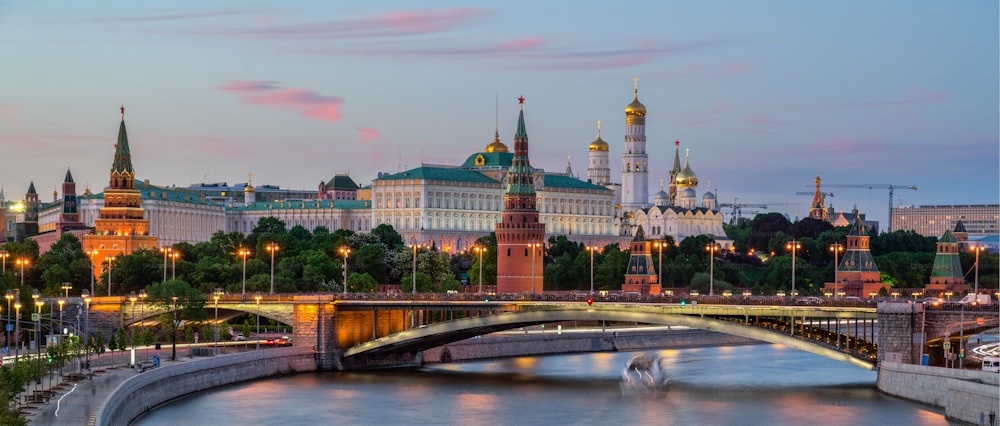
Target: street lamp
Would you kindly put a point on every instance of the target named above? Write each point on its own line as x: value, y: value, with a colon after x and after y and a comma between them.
x: 61, y: 302
x: 480, y: 250
x: 173, y: 265
x: 38, y: 327
x: 534, y: 247
x: 415, y: 247
x: 711, y: 249
x: 22, y: 262
x: 67, y: 287
x: 4, y: 254
x: 215, y: 296
x: 836, y: 248
x: 346, y: 251
x: 173, y: 346
x: 111, y: 262
x: 9, y: 296
x: 592, y: 249
x: 244, y: 253
x: 272, y: 247
x: 793, y: 245
x: 659, y: 275
x: 86, y: 300
x: 17, y: 328
x: 977, y: 248
x: 132, y: 298
x: 91, y: 254
x: 257, y: 298
x: 166, y: 252
x: 142, y: 319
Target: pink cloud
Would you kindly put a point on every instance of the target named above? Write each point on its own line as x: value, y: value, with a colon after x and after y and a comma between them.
x: 368, y: 134
x: 389, y: 24
x: 309, y: 104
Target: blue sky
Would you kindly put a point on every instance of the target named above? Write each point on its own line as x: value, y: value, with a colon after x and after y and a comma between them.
x: 764, y: 94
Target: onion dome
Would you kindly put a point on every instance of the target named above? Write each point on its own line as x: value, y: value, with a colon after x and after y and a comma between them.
x: 686, y: 177
x: 249, y: 188
x: 688, y: 193
x: 598, y: 144
x: 708, y: 196
x: 661, y: 199
x: 636, y: 107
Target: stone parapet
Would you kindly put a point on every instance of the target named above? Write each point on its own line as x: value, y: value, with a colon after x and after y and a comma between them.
x: 139, y: 394
x: 965, y: 395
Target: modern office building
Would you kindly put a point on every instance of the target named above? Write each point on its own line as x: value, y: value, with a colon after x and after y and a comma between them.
x: 980, y: 220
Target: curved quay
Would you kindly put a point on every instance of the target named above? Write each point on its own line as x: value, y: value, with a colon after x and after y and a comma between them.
x: 140, y: 394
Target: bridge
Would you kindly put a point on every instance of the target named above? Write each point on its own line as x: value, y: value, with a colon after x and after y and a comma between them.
x: 363, y: 330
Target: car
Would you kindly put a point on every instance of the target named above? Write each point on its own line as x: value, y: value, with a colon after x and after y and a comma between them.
x: 238, y: 337
x: 271, y: 341
x: 283, y: 341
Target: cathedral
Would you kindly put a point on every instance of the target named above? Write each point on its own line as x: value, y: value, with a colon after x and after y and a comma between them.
x: 676, y: 213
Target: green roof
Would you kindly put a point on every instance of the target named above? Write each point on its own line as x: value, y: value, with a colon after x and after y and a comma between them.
x: 307, y: 205
x: 440, y: 173
x: 490, y: 160
x: 342, y: 182
x: 563, y: 181
x: 947, y: 238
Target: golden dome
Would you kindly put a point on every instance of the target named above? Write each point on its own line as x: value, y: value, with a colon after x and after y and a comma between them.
x: 686, y: 177
x: 496, y: 145
x: 636, y: 107
x: 598, y: 144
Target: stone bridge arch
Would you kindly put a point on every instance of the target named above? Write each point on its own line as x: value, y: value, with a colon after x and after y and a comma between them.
x: 409, y: 342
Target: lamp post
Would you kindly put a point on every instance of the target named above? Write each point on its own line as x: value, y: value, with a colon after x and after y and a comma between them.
x: 9, y: 296
x: 61, y: 302
x: 111, y: 263
x: 22, y: 262
x: 534, y: 247
x: 38, y: 327
x: 659, y: 269
x: 86, y: 318
x: 415, y: 247
x: 215, y: 296
x: 17, y: 328
x: 142, y: 320
x: 244, y: 253
x: 67, y: 287
x: 166, y: 252
x: 480, y: 250
x: 836, y: 248
x: 173, y: 265
x: 793, y: 245
x: 173, y: 346
x: 711, y: 248
x: 346, y: 251
x: 131, y: 332
x: 4, y: 254
x: 977, y: 248
x: 91, y: 254
x: 272, y: 247
x: 257, y: 298
x: 592, y: 249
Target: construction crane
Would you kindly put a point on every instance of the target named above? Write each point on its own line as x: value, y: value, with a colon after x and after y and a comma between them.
x: 824, y: 194
x: 736, y: 208
x: 888, y: 186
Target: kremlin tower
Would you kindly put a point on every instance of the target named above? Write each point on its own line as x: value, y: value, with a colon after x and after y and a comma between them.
x: 121, y: 226
x: 520, y: 236
x: 635, y: 161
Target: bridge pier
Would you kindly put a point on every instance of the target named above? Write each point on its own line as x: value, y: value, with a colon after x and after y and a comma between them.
x: 315, y: 325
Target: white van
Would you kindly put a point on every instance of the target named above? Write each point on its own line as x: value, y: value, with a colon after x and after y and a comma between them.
x: 991, y: 363
x: 980, y: 299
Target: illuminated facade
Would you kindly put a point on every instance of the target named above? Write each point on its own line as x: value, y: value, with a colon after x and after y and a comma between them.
x: 980, y: 220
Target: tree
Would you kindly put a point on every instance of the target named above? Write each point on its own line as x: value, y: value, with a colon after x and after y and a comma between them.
x: 361, y: 283
x: 183, y: 302
x: 764, y: 227
x: 388, y: 236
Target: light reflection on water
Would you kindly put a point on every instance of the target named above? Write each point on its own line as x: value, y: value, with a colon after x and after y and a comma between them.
x: 760, y: 384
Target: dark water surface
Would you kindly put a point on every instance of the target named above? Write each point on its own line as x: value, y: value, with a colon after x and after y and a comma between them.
x: 742, y: 385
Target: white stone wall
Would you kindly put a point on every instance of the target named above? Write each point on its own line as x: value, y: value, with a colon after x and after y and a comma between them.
x: 963, y: 394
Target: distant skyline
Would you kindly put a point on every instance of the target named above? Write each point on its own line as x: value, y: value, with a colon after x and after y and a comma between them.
x: 763, y: 94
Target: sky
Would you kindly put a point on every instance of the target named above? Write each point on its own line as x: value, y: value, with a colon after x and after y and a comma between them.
x: 763, y: 94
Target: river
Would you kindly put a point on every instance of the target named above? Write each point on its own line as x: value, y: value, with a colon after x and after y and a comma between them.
x: 739, y: 385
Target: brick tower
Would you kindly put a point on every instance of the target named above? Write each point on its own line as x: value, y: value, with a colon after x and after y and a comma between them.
x: 69, y: 219
x: 947, y: 274
x: 858, y: 271
x: 120, y: 227
x: 640, y: 275
x: 520, y: 237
